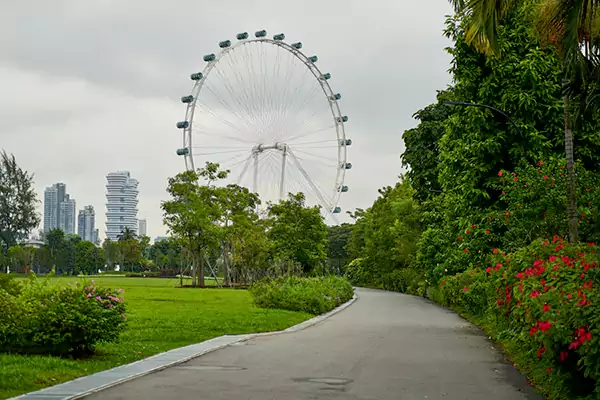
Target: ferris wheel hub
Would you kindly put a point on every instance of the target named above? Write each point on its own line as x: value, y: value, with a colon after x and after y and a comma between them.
x: 276, y: 146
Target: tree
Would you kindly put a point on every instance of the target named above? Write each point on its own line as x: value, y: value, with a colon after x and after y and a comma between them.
x: 338, y: 237
x: 112, y: 253
x: 18, y: 201
x: 193, y: 214
x: 89, y: 258
x: 298, y: 232
x: 569, y: 26
x: 55, y: 242
x: 126, y: 234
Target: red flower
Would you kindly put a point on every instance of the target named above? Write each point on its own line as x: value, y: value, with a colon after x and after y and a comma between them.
x: 549, y: 371
x: 466, y: 250
x: 506, y: 214
x: 516, y: 179
x: 544, y: 326
x: 459, y: 238
x: 498, y: 266
x: 495, y: 251
x: 564, y: 355
x: 468, y: 232
x: 487, y: 232
x: 488, y: 270
x: 551, y: 258
x: 545, y: 177
x: 541, y: 352
x: 466, y: 289
x: 545, y: 243
x: 535, y: 294
x: 499, y: 173
x: 546, y: 307
x: 520, y: 275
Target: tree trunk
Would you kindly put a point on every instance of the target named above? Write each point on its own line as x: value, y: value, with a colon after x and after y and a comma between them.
x: 571, y: 188
x: 201, y: 270
x: 194, y: 270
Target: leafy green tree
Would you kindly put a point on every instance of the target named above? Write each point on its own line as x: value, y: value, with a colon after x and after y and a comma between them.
x: 18, y: 201
x: 571, y: 27
x: 55, y: 243
x: 131, y: 254
x: 112, y: 253
x: 298, y: 232
x: 193, y: 214
x: 338, y: 237
x: 88, y: 257
x: 126, y: 234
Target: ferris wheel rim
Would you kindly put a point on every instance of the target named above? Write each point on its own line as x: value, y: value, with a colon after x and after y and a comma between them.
x: 317, y: 74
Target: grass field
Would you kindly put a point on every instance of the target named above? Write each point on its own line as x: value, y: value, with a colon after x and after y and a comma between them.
x: 161, y: 317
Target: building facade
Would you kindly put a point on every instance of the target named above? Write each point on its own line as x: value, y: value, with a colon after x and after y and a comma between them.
x: 86, y: 224
x: 59, y: 209
x: 121, y: 204
x: 142, y: 227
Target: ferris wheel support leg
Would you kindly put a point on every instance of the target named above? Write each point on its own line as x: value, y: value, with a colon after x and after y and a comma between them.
x: 255, y: 183
x: 282, y: 183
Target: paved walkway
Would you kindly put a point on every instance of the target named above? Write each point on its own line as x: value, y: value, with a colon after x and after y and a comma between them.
x: 384, y: 346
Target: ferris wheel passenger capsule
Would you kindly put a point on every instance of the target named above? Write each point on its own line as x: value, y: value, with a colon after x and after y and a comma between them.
x: 225, y: 44
x: 183, y: 124
x: 346, y: 142
x: 196, y: 77
x: 183, y: 152
x: 279, y: 36
x: 313, y: 59
x: 187, y: 99
x: 348, y: 165
x: 326, y: 76
x: 336, y: 96
x: 343, y: 189
x: 242, y: 36
x: 260, y: 34
x: 209, y: 57
x: 337, y: 210
x: 342, y: 119
x: 297, y: 45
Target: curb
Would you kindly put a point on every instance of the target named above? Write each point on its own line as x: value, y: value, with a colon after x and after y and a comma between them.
x: 87, y: 385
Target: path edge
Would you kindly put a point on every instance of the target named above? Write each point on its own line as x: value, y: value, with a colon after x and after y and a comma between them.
x: 83, y: 386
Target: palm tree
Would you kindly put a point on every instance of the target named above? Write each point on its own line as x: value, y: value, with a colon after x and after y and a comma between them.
x: 572, y: 26
x: 126, y: 234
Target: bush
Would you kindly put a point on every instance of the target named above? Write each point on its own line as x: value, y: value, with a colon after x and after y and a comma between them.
x: 311, y: 295
x: 9, y: 284
x: 545, y: 298
x: 68, y: 320
x: 406, y: 280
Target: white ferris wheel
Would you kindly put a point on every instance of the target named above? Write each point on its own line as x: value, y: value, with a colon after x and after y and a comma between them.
x: 262, y: 109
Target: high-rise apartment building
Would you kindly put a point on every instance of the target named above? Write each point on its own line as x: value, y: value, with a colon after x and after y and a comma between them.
x: 67, y: 214
x: 121, y: 204
x: 59, y: 209
x: 142, y: 227
x: 86, y: 224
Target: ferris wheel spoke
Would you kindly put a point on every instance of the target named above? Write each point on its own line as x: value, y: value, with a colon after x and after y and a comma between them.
x: 212, y: 133
x: 217, y: 152
x: 310, y: 133
x: 228, y: 106
x: 316, y: 190
x: 232, y: 93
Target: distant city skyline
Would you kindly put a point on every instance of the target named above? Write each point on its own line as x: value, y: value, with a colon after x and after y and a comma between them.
x: 142, y: 227
x: 121, y: 204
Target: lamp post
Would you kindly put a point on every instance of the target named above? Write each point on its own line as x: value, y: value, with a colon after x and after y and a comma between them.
x: 464, y: 104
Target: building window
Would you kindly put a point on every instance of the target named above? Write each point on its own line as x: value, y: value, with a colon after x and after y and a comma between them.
x: 122, y: 209
x: 122, y: 199
x: 121, y: 228
x: 122, y: 219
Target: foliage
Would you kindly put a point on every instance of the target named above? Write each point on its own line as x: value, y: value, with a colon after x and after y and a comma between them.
x: 338, y: 237
x: 311, y: 295
x: 384, y: 236
x: 10, y: 285
x: 69, y: 320
x: 18, y: 201
x: 159, y: 319
x: 298, y: 232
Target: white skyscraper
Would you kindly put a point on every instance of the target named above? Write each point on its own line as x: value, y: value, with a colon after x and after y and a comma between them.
x: 86, y: 224
x: 142, y: 227
x: 121, y: 205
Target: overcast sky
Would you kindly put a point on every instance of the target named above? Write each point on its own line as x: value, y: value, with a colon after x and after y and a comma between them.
x: 89, y: 87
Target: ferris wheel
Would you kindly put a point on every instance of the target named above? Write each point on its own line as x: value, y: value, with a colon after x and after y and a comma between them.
x: 262, y: 109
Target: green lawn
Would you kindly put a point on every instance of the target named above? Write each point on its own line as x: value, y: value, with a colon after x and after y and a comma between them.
x: 161, y: 317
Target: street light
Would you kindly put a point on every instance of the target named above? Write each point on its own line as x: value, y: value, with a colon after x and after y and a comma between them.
x: 462, y: 103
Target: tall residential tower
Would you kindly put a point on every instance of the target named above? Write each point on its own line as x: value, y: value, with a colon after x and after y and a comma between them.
x: 121, y: 204
x: 59, y: 209
x: 86, y: 224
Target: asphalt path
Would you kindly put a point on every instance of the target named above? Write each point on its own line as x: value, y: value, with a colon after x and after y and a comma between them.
x: 384, y: 346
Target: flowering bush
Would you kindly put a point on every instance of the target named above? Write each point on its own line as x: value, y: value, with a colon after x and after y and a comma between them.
x: 59, y: 320
x: 546, y: 297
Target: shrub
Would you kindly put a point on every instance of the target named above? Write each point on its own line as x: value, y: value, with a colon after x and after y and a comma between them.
x: 405, y: 280
x: 311, y: 295
x: 9, y: 284
x: 59, y: 320
x: 544, y: 297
